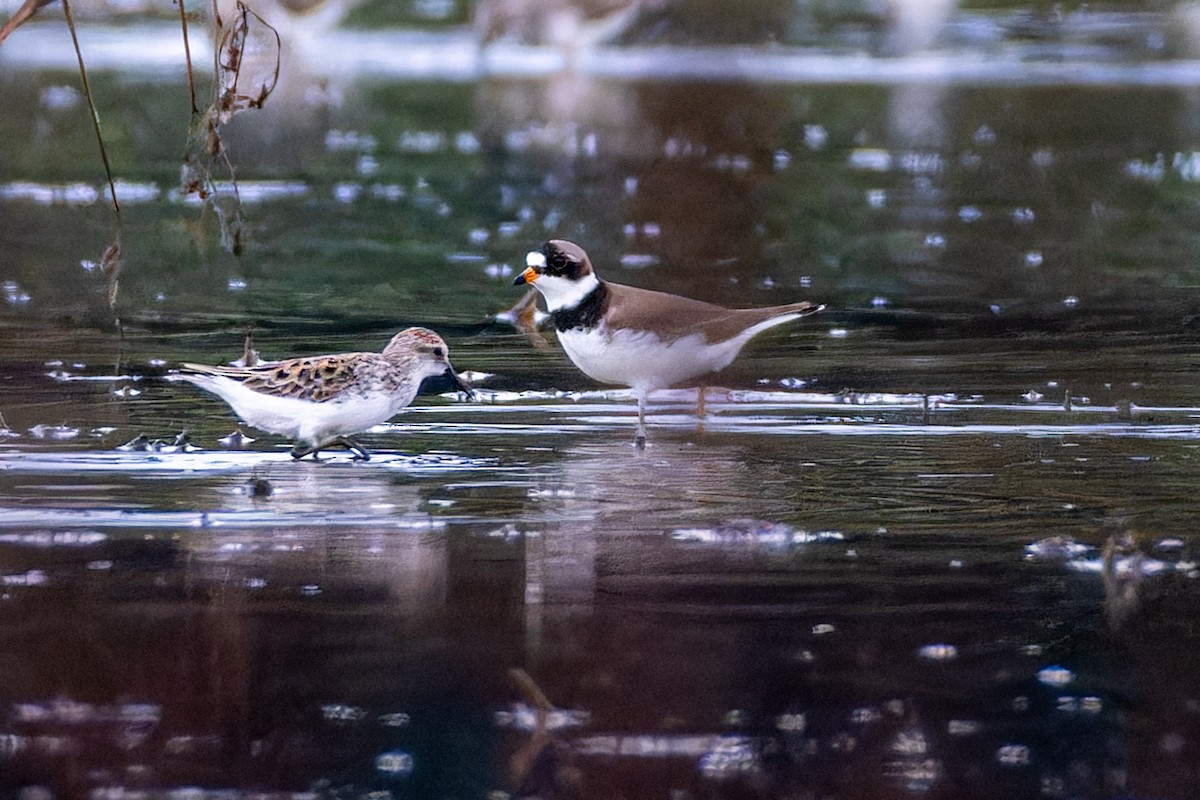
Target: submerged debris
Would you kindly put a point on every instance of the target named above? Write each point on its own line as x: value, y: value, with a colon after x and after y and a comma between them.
x: 144, y: 444
x: 236, y: 440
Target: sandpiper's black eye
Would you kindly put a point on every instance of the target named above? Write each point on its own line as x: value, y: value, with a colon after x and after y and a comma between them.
x: 439, y: 352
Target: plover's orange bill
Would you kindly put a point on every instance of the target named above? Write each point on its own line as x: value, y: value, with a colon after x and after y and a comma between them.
x: 638, y: 338
x: 322, y: 400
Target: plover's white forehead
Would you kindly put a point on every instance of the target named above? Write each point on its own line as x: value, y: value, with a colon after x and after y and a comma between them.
x: 535, y: 259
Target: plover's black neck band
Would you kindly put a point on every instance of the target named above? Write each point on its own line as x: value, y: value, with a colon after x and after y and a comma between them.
x: 587, y: 313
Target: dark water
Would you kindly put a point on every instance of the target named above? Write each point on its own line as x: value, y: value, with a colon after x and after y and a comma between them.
x: 938, y: 541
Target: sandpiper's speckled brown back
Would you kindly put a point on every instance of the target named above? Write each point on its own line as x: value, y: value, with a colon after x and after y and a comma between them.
x: 322, y: 378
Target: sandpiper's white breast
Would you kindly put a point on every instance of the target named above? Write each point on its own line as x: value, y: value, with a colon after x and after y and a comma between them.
x: 304, y: 419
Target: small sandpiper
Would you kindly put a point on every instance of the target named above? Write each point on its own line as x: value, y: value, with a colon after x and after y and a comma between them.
x: 634, y: 337
x: 319, y: 401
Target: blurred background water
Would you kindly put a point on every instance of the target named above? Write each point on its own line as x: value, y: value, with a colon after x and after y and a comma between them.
x: 938, y: 541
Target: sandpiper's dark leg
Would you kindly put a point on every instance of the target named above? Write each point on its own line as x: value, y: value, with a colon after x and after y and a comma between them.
x: 300, y: 451
x: 701, y: 410
x: 360, y: 453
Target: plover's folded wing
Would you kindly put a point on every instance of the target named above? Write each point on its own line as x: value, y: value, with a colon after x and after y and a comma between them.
x: 671, y: 317
x: 316, y: 378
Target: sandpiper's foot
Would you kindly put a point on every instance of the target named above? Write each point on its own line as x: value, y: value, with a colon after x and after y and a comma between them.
x: 360, y: 453
x: 299, y: 452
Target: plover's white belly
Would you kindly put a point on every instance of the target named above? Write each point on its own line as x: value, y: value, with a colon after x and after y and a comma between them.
x: 642, y: 360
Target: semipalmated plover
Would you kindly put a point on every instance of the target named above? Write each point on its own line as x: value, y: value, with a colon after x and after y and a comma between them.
x: 321, y: 400
x: 636, y: 337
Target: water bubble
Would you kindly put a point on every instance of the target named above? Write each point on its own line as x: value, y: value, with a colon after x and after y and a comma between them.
x: 843, y: 743
x: 394, y: 763
x: 342, y: 714
x: 1172, y: 743
x: 781, y: 160
x: 1032, y: 396
x: 346, y: 192
x: 236, y: 284
x: 838, y: 333
x: 467, y: 143
x: 963, y: 727
x: 865, y: 715
x: 876, y: 198
x: 1056, y: 548
x: 33, y: 577
x: 424, y: 142
x: 1042, y: 158
x: 935, y: 241
x: 730, y: 757
x: 910, y: 742
x: 938, y: 652
x: 1055, y: 676
x: 870, y: 159
x: 81, y: 194
x: 1034, y: 259
x: 59, y: 97
x: 367, y: 165
x: 391, y: 192
x: 794, y: 722
x: 497, y: 270
x: 815, y: 136
x: 970, y: 214
x: 1013, y: 755
x: 1071, y: 301
x: 1023, y: 215
x: 984, y: 135
x: 823, y: 629
x: 924, y: 164
x: 638, y: 260
x: 396, y: 719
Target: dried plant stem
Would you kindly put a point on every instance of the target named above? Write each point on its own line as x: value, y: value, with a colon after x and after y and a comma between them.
x: 187, y: 55
x: 87, y: 93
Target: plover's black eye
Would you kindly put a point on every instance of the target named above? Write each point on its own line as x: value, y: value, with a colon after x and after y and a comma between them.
x: 559, y: 263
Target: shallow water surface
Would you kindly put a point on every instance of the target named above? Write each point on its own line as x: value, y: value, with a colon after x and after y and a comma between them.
x: 938, y: 541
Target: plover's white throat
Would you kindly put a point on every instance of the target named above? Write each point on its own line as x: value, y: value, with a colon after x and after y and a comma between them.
x: 639, y: 338
x: 322, y: 400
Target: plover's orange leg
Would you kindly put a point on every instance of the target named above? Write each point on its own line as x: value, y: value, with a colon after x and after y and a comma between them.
x: 639, y: 438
